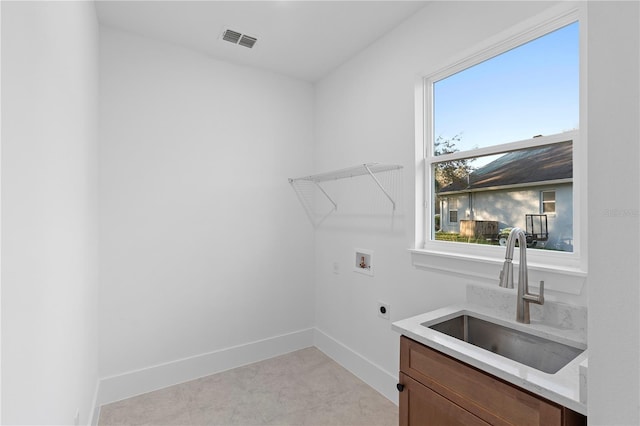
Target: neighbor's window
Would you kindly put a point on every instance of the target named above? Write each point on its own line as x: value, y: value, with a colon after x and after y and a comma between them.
x: 548, y: 201
x: 453, y: 210
x: 501, y: 143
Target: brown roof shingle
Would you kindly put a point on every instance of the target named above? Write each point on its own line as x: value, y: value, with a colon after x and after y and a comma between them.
x: 540, y: 164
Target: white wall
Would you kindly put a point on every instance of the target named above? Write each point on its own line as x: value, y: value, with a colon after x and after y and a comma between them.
x: 614, y: 135
x: 203, y: 243
x: 0, y: 213
x: 49, y: 211
x: 365, y: 112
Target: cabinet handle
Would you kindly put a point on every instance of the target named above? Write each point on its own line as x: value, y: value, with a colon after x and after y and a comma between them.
x: 400, y: 387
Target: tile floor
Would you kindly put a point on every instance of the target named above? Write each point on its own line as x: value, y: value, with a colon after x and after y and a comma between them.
x: 301, y: 388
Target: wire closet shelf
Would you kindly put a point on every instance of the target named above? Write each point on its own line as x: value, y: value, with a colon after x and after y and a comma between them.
x: 369, y: 169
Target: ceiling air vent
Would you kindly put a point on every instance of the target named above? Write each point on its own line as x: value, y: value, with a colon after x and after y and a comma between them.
x: 232, y: 36
x: 247, y: 41
x: 239, y: 38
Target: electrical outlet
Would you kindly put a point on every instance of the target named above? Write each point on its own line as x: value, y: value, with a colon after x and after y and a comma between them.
x: 383, y: 310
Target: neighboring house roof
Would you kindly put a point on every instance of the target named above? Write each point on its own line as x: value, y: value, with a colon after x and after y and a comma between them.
x: 537, y: 165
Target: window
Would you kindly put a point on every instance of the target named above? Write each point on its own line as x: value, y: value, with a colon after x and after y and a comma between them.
x: 503, y: 129
x: 499, y: 130
x: 548, y: 201
x: 453, y: 210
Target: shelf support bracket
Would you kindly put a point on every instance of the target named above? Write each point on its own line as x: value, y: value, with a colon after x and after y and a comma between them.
x: 379, y: 185
x: 335, y: 206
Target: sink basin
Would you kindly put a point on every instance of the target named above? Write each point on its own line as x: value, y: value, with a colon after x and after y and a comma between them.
x: 537, y: 352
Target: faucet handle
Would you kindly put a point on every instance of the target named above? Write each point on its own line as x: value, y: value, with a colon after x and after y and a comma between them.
x: 535, y: 298
x: 541, y: 295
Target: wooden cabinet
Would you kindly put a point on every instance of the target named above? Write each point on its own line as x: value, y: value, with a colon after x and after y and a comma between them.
x: 424, y: 406
x: 440, y: 390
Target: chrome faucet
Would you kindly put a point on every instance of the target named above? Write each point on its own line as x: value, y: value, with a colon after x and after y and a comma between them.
x: 506, y: 276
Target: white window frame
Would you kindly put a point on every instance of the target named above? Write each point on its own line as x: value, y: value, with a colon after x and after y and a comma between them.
x: 562, y: 271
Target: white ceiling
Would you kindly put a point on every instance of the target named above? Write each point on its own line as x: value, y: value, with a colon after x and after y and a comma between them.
x: 302, y: 39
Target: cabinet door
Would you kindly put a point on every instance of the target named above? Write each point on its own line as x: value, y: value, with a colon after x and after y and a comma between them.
x: 420, y: 405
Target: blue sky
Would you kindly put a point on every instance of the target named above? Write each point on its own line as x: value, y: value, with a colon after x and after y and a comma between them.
x: 527, y: 91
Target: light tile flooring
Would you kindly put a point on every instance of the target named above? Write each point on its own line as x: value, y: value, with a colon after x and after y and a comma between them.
x: 301, y: 388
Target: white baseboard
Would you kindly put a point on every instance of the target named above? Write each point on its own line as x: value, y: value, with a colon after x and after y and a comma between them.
x: 370, y: 373
x: 137, y: 382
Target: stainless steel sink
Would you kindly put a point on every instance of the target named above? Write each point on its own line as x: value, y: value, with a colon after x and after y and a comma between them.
x: 528, y: 349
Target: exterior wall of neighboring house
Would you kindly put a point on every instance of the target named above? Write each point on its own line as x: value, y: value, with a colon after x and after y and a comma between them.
x: 509, y: 206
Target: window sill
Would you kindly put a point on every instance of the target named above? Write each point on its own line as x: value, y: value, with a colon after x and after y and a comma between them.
x: 487, y: 269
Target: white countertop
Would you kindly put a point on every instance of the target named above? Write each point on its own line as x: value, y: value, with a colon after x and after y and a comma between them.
x: 562, y: 387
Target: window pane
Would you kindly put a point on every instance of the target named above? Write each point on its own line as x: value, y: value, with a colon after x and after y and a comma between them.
x: 528, y: 91
x: 548, y: 201
x: 498, y: 192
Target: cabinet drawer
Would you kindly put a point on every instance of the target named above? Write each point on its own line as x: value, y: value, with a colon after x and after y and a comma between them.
x: 485, y: 396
